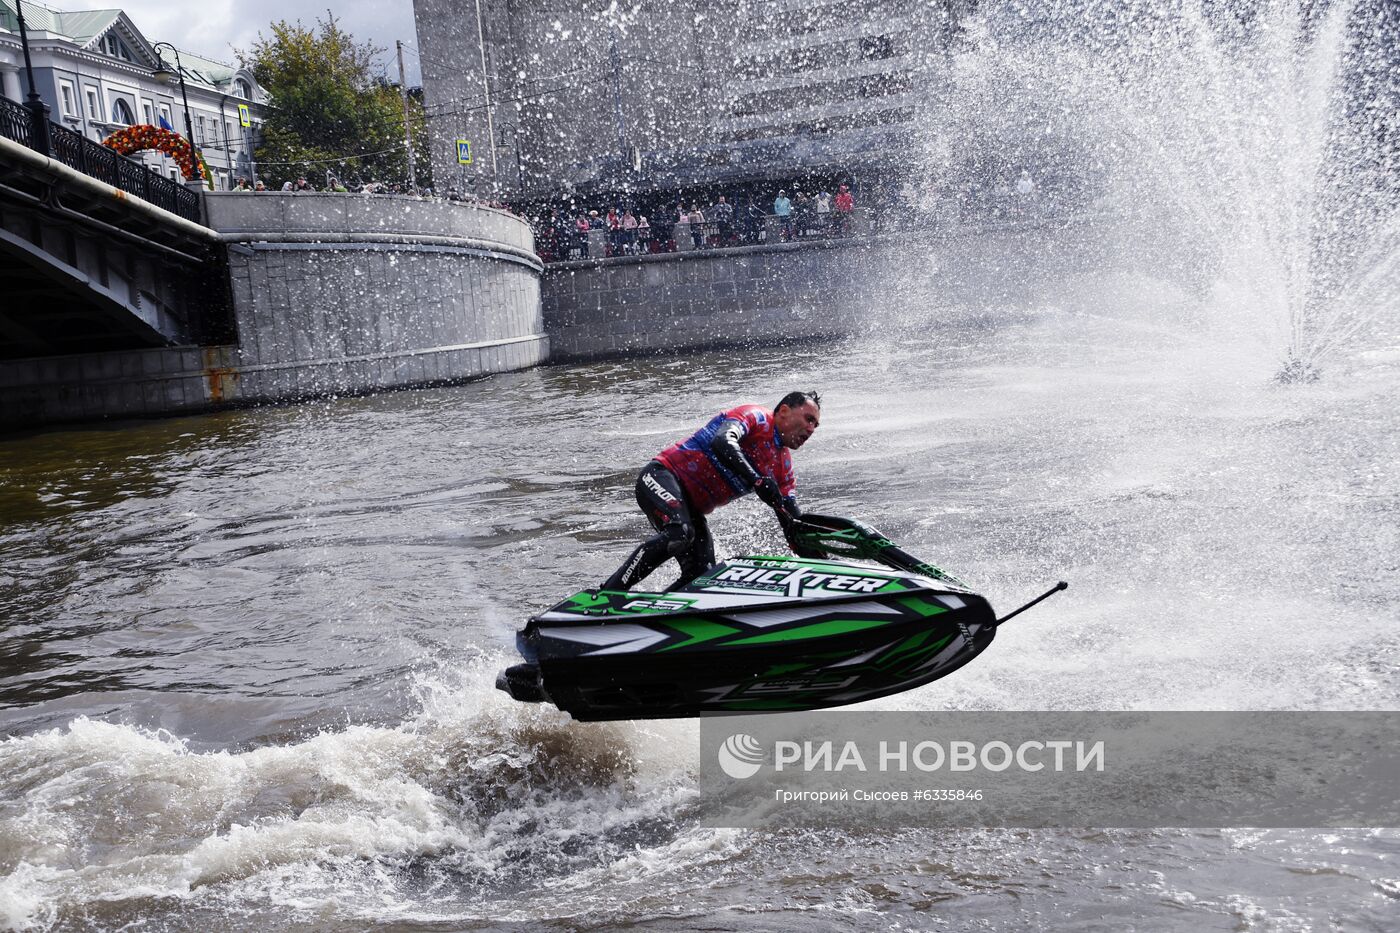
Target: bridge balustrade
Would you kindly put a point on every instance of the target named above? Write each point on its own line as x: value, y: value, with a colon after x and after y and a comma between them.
x: 98, y: 161
x: 16, y: 123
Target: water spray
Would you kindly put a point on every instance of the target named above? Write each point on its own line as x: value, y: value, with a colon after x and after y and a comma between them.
x: 1296, y: 371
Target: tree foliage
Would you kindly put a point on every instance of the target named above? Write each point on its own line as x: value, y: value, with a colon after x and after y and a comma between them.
x: 328, y: 112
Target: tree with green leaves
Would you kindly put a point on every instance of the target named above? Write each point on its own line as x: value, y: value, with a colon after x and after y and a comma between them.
x: 328, y: 112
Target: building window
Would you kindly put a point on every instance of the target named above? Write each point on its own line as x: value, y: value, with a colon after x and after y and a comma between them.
x: 93, y: 112
x: 115, y: 47
x: 67, y: 99
x: 121, y: 112
x: 241, y: 89
x: 165, y: 116
x: 199, y: 132
x: 146, y: 113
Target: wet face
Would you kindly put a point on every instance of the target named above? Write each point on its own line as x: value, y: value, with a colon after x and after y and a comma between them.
x: 795, y: 425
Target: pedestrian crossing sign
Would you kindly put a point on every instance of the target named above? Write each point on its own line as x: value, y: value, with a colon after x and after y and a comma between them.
x: 464, y: 151
x: 244, y: 117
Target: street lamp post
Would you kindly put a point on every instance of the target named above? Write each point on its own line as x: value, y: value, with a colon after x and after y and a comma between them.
x: 515, y: 143
x: 486, y: 88
x: 163, y: 73
x: 38, y: 110
x: 407, y: 127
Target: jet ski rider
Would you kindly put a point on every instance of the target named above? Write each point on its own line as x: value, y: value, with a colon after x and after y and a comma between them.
x: 742, y: 450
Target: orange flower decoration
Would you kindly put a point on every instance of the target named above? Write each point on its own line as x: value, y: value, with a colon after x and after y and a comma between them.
x: 144, y: 136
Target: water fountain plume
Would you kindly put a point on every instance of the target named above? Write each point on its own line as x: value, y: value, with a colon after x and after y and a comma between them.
x: 1250, y: 148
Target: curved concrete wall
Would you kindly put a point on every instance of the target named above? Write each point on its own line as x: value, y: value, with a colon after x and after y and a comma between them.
x: 325, y: 217
x: 346, y: 293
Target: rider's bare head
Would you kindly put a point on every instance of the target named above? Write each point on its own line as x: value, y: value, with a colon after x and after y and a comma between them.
x: 796, y: 417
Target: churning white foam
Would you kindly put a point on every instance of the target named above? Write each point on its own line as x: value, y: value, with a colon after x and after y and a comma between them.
x: 485, y: 788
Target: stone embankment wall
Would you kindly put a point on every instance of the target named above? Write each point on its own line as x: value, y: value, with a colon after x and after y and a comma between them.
x: 331, y: 293
x: 673, y: 302
x: 692, y: 300
x: 338, y: 294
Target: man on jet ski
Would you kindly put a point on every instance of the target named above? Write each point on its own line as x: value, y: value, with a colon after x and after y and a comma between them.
x: 742, y: 450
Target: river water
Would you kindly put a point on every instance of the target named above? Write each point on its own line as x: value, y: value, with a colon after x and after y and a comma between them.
x: 247, y: 658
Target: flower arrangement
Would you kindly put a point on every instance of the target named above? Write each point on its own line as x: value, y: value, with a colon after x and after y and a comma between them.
x: 144, y: 136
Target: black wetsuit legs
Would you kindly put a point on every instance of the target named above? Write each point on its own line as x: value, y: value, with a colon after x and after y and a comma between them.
x: 681, y: 532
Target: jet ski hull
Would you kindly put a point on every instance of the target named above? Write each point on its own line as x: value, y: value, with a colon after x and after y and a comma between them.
x: 759, y: 634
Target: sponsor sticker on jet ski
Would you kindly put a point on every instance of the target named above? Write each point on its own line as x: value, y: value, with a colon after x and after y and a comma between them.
x: 606, y: 602
x: 798, y: 581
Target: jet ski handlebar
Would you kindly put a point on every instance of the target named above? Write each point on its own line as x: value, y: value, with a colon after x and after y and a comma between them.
x: 830, y: 536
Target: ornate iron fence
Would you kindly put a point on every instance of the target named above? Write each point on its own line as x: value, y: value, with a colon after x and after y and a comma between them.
x: 96, y: 160
x: 15, y: 122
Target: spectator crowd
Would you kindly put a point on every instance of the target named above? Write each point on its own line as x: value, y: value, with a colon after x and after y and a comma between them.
x: 625, y: 230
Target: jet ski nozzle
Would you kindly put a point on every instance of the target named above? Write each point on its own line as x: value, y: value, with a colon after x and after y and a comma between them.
x: 522, y: 682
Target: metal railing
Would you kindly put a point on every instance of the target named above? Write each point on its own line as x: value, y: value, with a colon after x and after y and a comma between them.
x: 16, y: 122
x: 98, y: 161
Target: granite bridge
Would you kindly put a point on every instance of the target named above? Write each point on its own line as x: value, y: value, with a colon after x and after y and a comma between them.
x: 97, y: 253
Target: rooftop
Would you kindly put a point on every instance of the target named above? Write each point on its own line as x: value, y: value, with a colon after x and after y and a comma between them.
x: 83, y: 26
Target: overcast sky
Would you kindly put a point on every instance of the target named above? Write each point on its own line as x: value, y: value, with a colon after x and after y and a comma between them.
x: 214, y: 28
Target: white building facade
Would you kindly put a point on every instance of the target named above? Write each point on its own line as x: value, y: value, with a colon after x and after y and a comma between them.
x: 96, y: 72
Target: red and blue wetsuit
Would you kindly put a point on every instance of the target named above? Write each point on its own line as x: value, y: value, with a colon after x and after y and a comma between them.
x: 735, y: 451
x: 710, y: 475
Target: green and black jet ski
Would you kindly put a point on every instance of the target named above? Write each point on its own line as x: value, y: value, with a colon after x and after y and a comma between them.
x: 852, y: 618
